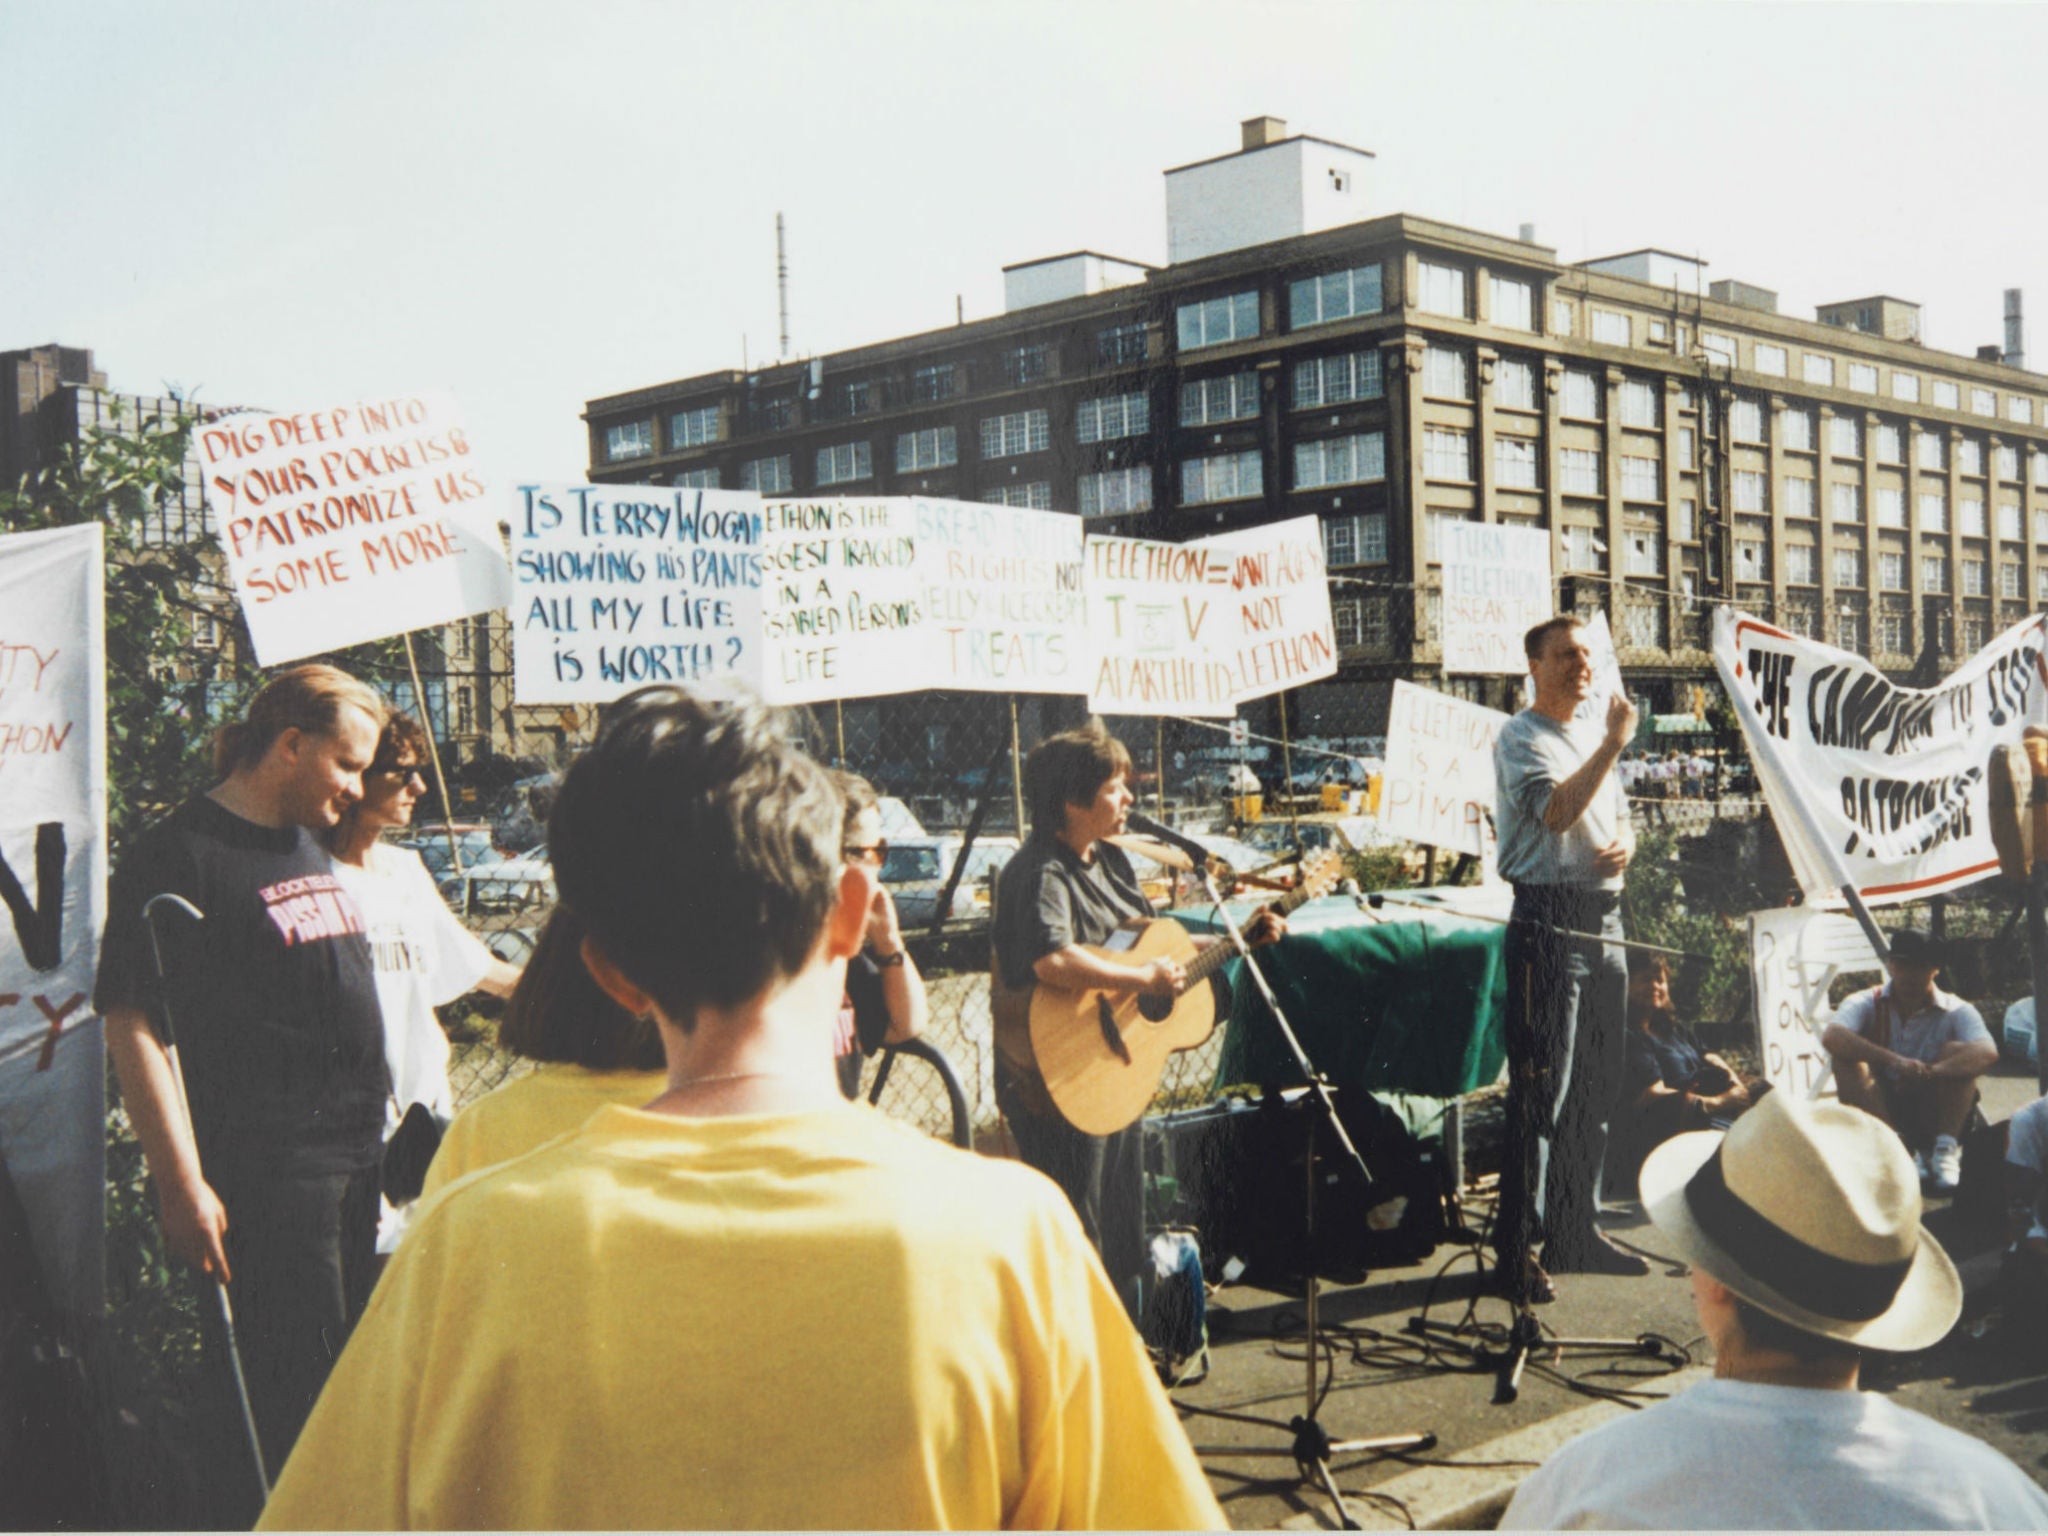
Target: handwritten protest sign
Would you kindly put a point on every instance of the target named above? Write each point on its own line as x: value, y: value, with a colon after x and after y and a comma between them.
x: 617, y: 586
x: 351, y: 523
x: 1438, y: 787
x: 1870, y: 783
x: 1001, y: 589
x: 1496, y: 588
x: 53, y: 867
x: 1281, y: 593
x: 842, y: 607
x: 1162, y: 627
x: 1795, y: 956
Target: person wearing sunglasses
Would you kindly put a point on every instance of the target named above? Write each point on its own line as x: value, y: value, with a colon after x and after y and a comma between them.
x: 885, y: 1002
x: 422, y: 956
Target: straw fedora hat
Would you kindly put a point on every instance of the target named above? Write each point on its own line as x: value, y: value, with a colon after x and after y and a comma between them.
x: 1811, y: 1212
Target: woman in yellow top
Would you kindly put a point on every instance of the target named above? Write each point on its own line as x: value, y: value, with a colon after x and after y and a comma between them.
x: 590, y: 1051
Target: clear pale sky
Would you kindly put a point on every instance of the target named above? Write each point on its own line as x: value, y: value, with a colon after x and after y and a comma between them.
x: 299, y: 205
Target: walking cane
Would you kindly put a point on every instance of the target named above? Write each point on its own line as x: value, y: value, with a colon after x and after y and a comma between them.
x: 167, y: 1034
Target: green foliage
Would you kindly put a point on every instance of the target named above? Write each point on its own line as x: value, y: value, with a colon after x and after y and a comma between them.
x: 151, y: 1310
x: 1712, y: 983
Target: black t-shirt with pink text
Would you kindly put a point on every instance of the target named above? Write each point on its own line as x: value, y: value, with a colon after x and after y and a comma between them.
x: 272, y: 996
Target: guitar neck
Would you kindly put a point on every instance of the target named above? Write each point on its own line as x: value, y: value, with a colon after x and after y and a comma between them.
x: 1210, y: 959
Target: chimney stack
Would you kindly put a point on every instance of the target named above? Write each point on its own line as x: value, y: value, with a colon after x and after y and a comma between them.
x: 1528, y: 234
x: 2015, y: 331
x: 1261, y: 131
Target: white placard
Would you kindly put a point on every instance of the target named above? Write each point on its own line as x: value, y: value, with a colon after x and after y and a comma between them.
x: 53, y: 846
x: 1439, y: 782
x: 618, y: 586
x: 351, y: 523
x: 1162, y: 627
x: 1795, y: 956
x: 842, y: 606
x: 1496, y: 589
x: 1001, y: 591
x: 1282, y: 594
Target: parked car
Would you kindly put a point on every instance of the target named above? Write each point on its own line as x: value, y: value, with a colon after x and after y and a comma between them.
x: 430, y: 842
x: 494, y: 885
x: 917, y: 868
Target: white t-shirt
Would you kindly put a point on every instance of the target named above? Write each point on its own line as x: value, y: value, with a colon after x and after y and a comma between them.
x: 2026, y: 1143
x: 1921, y: 1036
x: 1741, y: 1456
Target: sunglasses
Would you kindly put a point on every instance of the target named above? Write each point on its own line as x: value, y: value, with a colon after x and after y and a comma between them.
x: 400, y: 771
x: 873, y: 853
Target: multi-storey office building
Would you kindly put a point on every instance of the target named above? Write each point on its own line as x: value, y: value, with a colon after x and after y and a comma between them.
x: 1387, y: 374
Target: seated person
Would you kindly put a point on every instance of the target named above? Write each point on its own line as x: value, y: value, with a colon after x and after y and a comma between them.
x: 750, y: 1304
x: 1669, y: 1084
x: 590, y: 1050
x: 885, y: 1002
x: 1911, y: 1054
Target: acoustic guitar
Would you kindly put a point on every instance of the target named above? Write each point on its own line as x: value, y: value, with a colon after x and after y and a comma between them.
x: 1099, y: 1054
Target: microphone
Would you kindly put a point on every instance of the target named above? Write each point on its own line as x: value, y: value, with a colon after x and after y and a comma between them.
x: 1159, y: 831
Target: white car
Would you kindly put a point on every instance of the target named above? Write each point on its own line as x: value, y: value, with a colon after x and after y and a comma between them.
x: 917, y: 868
x: 523, y: 880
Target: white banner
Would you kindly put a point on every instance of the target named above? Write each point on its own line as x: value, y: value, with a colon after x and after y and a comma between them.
x: 1001, y: 591
x: 53, y: 875
x: 352, y: 523
x: 618, y: 586
x: 1871, y: 783
x: 842, y: 606
x: 1795, y: 956
x: 1282, y: 592
x: 1438, y: 787
x: 1496, y: 589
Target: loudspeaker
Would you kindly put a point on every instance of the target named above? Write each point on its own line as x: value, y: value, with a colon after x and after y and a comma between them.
x: 1237, y: 1170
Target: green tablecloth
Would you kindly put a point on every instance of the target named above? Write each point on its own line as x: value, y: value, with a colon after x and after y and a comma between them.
x: 1411, y: 1004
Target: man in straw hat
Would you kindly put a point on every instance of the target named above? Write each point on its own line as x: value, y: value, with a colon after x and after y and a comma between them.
x: 1802, y: 1224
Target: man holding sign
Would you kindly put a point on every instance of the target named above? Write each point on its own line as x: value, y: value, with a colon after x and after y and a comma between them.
x: 1565, y: 839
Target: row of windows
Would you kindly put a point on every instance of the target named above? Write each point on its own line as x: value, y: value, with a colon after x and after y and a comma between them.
x: 1319, y: 300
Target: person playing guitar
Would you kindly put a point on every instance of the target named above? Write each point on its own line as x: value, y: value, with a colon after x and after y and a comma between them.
x: 1067, y: 888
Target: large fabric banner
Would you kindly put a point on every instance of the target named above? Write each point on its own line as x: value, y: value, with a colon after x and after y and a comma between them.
x: 1438, y: 787
x: 53, y: 875
x: 351, y: 523
x: 1870, y: 783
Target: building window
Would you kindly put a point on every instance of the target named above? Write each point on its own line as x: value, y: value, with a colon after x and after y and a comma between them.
x: 1121, y: 346
x: 1905, y: 386
x: 465, y: 711
x: 1848, y: 502
x: 1934, y: 573
x: 1660, y: 332
x: 1514, y: 384
x: 1976, y: 579
x: 693, y: 429
x: 2009, y: 521
x: 2041, y: 584
x: 1576, y: 545
x: 1640, y: 480
x: 2041, y: 527
x: 1027, y: 364
x: 769, y: 476
x: 1795, y: 429
x: 1216, y: 321
x: 1645, y: 554
x: 1442, y: 290
x: 1560, y: 318
x: 1638, y: 403
x: 1579, y: 471
x: 1970, y: 518
x: 1845, y: 437
x: 2006, y: 463
x: 2017, y: 409
x: 1720, y: 348
x: 1797, y: 491
x: 206, y: 630
x: 2039, y: 459
x: 1750, y: 563
x: 1337, y: 380
x: 2009, y: 579
x: 1934, y: 512
x: 933, y: 383
x: 859, y: 396
x: 1969, y: 456
x: 1848, y: 567
x: 1360, y: 540
x: 1749, y: 490
x: 1816, y: 369
x: 1863, y: 378
x: 1800, y: 565
x: 1108, y: 417
x: 1222, y: 477
x: 1354, y: 460
x: 1018, y: 432
x: 1514, y: 463
x: 1334, y: 296
x: 1688, y: 448
x: 1891, y: 507
x: 1768, y: 359
x: 1947, y: 396
x: 1983, y: 402
x: 1746, y: 419
x: 1432, y: 532
x: 1930, y: 447
x: 1446, y: 374
x: 629, y: 440
x: 1891, y: 443
x: 1446, y: 455
x: 1610, y: 328
x: 933, y: 448
x: 1892, y: 629
x: 1849, y: 631
x: 1117, y: 490
x: 847, y: 461
x: 1346, y: 627
x: 1033, y: 493
x: 1511, y: 303
x: 697, y: 480
x: 778, y: 413
x: 1685, y: 526
x: 1973, y: 636
x: 1228, y: 397
x: 1891, y: 571
x: 1581, y: 394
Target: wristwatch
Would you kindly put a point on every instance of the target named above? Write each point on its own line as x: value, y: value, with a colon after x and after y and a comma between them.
x: 884, y: 962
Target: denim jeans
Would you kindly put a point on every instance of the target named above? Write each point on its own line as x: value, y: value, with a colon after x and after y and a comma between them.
x: 1567, y: 1005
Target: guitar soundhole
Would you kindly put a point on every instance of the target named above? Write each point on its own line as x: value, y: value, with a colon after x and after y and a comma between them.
x: 1154, y: 1009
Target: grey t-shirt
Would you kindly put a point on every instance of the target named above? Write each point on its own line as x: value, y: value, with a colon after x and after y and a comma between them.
x: 1923, y: 1033
x: 1531, y: 757
x: 1047, y: 898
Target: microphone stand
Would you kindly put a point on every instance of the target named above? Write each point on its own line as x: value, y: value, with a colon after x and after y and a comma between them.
x: 1311, y: 1447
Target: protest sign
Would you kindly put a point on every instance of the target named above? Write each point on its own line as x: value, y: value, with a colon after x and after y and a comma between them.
x: 1496, y: 589
x: 1438, y: 787
x: 1870, y: 783
x: 618, y: 586
x: 1163, y: 627
x: 1001, y: 590
x: 53, y: 870
x: 1795, y: 956
x: 1281, y: 591
x: 351, y: 523
x: 842, y: 609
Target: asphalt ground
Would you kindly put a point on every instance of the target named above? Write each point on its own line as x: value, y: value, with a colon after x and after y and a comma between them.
x: 1376, y: 1376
